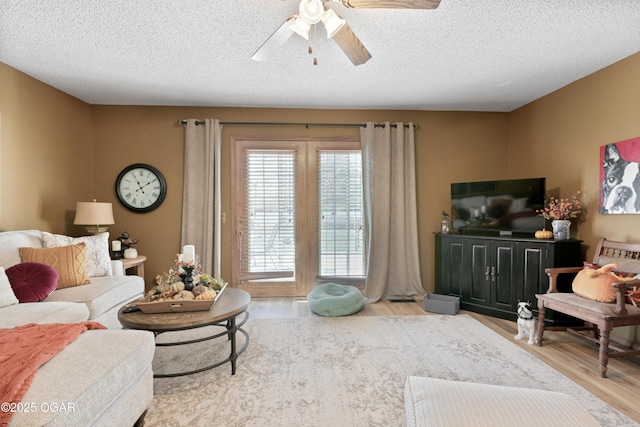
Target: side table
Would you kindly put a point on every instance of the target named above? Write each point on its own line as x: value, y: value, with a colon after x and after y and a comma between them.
x: 136, y: 265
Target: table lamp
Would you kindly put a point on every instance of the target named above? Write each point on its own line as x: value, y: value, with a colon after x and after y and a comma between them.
x: 95, y: 215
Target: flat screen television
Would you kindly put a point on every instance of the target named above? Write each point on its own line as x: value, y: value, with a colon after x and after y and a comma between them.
x: 498, y: 207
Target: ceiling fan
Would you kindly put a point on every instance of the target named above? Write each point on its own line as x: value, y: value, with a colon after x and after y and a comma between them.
x: 313, y: 11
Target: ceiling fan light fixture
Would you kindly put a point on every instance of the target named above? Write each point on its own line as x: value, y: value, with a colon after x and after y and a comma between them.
x: 311, y: 10
x: 332, y: 22
x: 301, y: 26
x: 314, y: 11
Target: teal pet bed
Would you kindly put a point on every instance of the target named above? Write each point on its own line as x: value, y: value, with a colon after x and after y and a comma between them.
x: 332, y: 300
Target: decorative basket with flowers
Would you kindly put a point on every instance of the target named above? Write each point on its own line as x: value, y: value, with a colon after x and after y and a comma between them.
x: 562, y: 209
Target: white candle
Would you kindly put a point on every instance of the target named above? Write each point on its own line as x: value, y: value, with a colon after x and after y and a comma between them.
x: 180, y: 259
x: 189, y: 252
x: 116, y: 245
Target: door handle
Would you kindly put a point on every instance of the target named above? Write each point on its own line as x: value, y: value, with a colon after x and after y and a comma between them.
x: 493, y: 274
x: 486, y: 274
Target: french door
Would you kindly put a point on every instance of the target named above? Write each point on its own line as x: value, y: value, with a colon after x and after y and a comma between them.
x: 298, y: 218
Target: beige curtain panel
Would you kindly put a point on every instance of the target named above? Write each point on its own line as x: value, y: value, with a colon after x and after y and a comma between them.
x: 201, y: 210
x: 390, y: 212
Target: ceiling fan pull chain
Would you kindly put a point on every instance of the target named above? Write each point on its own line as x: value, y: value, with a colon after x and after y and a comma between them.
x: 315, y: 59
x: 311, y: 41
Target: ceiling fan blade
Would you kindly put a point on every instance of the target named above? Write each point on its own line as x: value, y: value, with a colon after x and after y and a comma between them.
x: 392, y: 4
x: 351, y: 45
x: 275, y: 41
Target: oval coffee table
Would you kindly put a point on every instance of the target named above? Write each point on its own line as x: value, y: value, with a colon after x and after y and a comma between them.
x: 232, y: 303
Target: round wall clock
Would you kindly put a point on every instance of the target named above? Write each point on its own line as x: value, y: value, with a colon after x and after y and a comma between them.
x: 141, y: 187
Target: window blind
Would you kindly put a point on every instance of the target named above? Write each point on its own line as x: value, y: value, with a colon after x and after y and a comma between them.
x: 341, y: 213
x: 267, y: 231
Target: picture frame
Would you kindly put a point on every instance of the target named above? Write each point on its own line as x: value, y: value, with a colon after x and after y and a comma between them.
x: 620, y: 177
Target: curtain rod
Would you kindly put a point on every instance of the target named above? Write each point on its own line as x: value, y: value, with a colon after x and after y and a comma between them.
x: 307, y: 125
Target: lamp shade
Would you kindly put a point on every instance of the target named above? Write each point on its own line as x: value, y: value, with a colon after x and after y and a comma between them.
x: 332, y: 22
x: 95, y: 215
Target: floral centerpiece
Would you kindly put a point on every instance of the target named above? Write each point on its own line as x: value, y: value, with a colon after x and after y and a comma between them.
x: 184, y: 282
x: 562, y: 209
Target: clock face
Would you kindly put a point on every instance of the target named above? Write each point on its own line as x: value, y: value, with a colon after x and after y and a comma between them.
x: 141, y: 187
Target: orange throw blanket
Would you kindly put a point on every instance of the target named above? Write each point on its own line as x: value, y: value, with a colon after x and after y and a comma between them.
x: 25, y: 348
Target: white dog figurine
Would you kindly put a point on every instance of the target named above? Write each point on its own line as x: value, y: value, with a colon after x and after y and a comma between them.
x: 527, y: 324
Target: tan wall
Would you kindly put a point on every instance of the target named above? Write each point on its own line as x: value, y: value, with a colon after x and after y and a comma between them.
x: 56, y: 150
x: 559, y: 136
x: 45, y: 154
x: 450, y: 147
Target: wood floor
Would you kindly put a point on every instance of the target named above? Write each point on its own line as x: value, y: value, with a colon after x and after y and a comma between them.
x: 573, y: 357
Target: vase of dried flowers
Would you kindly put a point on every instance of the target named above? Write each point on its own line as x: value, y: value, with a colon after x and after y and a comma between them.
x: 561, y: 229
x: 560, y: 212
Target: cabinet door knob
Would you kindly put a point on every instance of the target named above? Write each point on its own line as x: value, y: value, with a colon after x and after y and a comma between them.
x: 493, y: 274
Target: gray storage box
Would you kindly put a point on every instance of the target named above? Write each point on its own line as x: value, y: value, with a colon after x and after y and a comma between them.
x: 442, y: 304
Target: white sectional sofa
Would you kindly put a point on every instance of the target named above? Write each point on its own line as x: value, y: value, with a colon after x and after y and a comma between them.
x: 104, y: 375
x: 99, y: 300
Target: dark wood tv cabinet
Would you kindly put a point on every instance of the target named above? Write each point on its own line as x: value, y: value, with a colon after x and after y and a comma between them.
x: 491, y: 274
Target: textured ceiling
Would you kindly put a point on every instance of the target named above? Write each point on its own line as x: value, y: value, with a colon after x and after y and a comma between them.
x: 475, y: 55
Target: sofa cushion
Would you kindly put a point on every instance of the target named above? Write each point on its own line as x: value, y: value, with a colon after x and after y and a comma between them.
x: 98, y: 259
x: 68, y: 261
x: 103, y: 294
x: 91, y: 380
x: 7, y: 296
x: 39, y: 312
x: 32, y: 281
x: 438, y: 402
x: 10, y: 241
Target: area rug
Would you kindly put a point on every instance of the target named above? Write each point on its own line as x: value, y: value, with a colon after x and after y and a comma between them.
x: 346, y: 371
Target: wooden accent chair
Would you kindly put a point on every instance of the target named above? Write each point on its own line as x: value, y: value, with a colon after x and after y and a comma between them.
x: 599, y: 317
